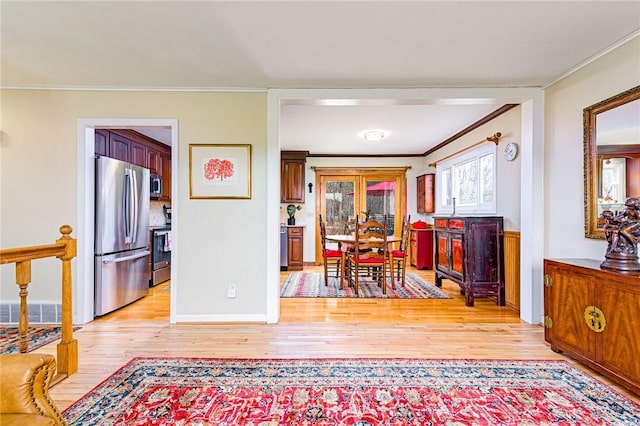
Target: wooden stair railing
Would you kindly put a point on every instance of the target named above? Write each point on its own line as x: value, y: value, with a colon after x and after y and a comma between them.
x: 65, y: 250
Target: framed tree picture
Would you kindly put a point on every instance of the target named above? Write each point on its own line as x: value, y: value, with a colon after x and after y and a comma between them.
x: 220, y: 171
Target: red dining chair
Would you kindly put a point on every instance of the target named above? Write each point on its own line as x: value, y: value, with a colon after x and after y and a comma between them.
x: 400, y: 256
x: 331, y: 259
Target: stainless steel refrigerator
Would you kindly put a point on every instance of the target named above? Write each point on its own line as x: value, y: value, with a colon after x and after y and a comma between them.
x: 121, y: 234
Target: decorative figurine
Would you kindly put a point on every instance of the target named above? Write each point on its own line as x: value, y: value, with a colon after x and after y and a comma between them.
x: 622, y: 231
x: 291, y: 211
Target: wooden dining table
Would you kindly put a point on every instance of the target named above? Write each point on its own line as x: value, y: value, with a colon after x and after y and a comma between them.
x: 350, y: 239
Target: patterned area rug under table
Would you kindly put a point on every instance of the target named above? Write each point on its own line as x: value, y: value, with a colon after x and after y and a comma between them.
x: 38, y: 336
x: 311, y: 284
x: 269, y: 392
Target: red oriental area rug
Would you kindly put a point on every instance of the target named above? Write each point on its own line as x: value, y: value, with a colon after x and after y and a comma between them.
x: 37, y: 337
x: 269, y: 392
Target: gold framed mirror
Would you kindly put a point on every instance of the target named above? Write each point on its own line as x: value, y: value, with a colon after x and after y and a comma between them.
x: 611, y: 157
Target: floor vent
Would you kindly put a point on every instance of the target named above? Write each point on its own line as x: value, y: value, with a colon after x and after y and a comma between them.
x: 39, y: 313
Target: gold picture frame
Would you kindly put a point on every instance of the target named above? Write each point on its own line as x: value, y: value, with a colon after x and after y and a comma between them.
x: 220, y: 171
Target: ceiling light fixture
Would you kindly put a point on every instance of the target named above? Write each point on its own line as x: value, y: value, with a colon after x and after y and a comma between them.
x: 373, y: 135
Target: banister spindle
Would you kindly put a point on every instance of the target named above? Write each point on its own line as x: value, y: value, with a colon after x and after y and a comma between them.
x: 23, y: 278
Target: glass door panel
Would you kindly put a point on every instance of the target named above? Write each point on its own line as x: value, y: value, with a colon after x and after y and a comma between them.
x: 337, y: 203
x: 346, y: 194
x: 380, y: 202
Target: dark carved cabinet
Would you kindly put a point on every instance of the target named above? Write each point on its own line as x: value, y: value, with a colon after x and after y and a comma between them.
x: 593, y: 315
x: 470, y: 252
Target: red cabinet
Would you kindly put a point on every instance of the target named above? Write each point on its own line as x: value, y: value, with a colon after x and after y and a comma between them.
x: 421, y: 248
x: 470, y: 252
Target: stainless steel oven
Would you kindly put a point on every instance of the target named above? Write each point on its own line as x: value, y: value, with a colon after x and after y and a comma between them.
x: 160, y: 254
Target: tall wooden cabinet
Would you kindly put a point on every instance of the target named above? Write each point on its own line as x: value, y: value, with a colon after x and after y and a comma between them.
x: 421, y: 248
x: 470, y: 252
x: 593, y: 315
x: 425, y: 190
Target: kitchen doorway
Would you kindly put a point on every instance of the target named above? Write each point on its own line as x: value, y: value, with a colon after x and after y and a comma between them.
x: 84, y: 284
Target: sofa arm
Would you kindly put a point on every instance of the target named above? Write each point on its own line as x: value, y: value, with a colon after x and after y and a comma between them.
x: 24, y: 385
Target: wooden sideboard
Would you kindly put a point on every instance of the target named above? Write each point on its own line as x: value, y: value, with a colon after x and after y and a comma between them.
x: 421, y: 248
x: 593, y: 315
x: 470, y: 251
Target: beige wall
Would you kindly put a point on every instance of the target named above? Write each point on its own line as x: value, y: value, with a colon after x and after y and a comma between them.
x: 564, y: 101
x: 508, y: 172
x: 39, y: 185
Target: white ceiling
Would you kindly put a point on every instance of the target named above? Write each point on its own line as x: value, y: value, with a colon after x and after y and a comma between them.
x: 296, y: 44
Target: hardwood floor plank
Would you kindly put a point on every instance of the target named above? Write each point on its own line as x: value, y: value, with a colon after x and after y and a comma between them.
x: 309, y: 328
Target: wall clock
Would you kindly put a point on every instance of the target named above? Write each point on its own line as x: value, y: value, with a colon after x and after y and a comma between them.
x: 511, y: 151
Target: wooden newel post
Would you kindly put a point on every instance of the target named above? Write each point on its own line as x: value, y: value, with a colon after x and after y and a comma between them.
x: 68, y: 346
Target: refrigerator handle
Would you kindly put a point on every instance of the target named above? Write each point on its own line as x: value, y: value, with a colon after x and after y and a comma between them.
x: 134, y: 206
x: 126, y: 258
x: 127, y: 206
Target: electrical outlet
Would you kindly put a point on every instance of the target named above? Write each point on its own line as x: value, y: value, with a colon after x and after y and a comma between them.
x: 231, y: 291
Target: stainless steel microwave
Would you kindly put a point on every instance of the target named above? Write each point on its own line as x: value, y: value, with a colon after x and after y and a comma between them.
x: 156, y: 186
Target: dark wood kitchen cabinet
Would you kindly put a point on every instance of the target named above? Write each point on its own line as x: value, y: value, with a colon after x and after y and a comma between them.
x: 470, y: 252
x: 295, y: 248
x: 139, y: 154
x: 164, y: 171
x: 292, y: 176
x: 425, y: 190
x: 102, y: 143
x: 134, y: 143
x: 153, y: 160
x: 593, y: 315
x: 136, y: 148
x: 119, y: 147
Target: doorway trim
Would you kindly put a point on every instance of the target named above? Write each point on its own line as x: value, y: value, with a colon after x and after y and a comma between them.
x: 531, y: 182
x: 84, y: 284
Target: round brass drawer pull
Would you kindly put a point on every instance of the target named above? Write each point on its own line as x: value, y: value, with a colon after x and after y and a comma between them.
x: 595, y: 319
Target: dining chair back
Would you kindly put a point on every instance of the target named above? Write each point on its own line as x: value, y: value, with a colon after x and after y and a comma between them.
x: 331, y: 259
x: 369, y: 253
x: 400, y: 257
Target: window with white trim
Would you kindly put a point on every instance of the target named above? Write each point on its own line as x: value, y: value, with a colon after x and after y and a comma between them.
x: 469, y: 181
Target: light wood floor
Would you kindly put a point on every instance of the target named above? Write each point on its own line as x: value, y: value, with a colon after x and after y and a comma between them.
x: 318, y: 328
